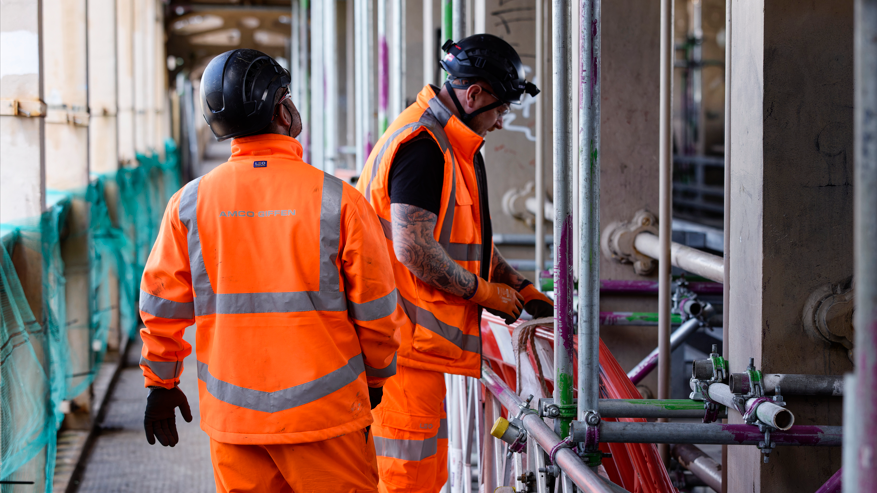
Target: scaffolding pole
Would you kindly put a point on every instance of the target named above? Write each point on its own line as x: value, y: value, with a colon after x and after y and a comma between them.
x: 541, y: 29
x: 589, y: 212
x: 397, y: 61
x: 563, y: 233
x: 860, y: 403
x: 428, y: 43
x: 383, y: 67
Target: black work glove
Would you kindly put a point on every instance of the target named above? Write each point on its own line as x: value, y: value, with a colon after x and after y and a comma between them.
x: 536, y: 303
x: 375, y: 394
x: 160, y: 418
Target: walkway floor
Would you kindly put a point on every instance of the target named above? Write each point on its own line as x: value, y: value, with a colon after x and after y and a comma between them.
x: 122, y: 460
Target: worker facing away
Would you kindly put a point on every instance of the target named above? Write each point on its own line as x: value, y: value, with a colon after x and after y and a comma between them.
x: 285, y: 273
x: 426, y: 180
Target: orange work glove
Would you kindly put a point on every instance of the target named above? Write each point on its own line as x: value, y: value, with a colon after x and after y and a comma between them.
x: 536, y: 303
x: 499, y: 299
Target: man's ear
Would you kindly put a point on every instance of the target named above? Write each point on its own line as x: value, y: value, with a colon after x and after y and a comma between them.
x: 472, y: 92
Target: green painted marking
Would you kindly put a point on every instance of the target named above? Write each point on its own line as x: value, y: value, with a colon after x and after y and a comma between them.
x: 668, y: 404
x: 564, y: 387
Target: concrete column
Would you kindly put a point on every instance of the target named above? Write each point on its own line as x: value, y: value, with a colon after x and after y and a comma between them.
x: 125, y: 79
x: 160, y: 114
x: 22, y: 156
x: 142, y: 80
x: 103, y: 152
x: 791, y: 211
x: 65, y: 85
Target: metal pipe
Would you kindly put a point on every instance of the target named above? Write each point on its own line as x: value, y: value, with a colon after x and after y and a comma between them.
x: 330, y: 84
x: 825, y: 385
x: 568, y: 461
x: 699, y: 463
x: 589, y: 211
x: 397, y: 61
x: 489, y: 445
x: 458, y: 19
x: 862, y: 475
x: 541, y: 25
x: 383, y: 67
x: 640, y: 371
x: 635, y: 318
x: 447, y: 14
x: 726, y: 223
x: 650, y: 408
x: 318, y: 85
x: 711, y: 433
x: 359, y: 86
x: 767, y: 412
x: 428, y: 44
x: 665, y: 199
x: 834, y: 483
x: 562, y: 153
x: 304, y: 104
x: 690, y: 259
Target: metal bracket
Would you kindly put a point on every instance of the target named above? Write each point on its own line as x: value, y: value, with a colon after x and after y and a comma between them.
x: 30, y: 109
x: 548, y: 409
x: 618, y: 237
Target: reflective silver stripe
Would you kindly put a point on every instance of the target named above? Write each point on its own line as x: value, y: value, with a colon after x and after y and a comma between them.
x: 281, y: 400
x: 443, y: 429
x: 427, y: 320
x: 387, y: 227
x: 464, y: 251
x: 373, y: 310
x: 328, y: 298
x: 165, y: 370
x: 292, y: 302
x: 386, y: 372
x: 330, y: 233
x: 406, y: 449
x: 160, y: 307
x: 377, y: 162
x: 189, y: 218
x: 442, y: 113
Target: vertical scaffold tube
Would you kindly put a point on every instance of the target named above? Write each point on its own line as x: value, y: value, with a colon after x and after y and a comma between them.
x: 860, y: 454
x: 330, y: 87
x: 458, y: 19
x: 589, y: 174
x: 397, y: 62
x: 318, y: 85
x: 447, y: 20
x: 429, y: 62
x: 541, y: 24
x: 294, y: 54
x: 665, y: 160
x: 563, y: 233
x: 726, y: 225
x: 383, y: 67
x: 304, y: 79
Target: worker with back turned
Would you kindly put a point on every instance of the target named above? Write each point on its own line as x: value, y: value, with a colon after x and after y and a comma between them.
x: 284, y: 272
x: 427, y: 182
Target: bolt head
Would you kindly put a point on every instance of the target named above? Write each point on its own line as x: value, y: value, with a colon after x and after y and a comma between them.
x: 592, y: 419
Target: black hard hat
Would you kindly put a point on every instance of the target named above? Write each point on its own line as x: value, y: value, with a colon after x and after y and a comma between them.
x: 487, y: 57
x: 237, y: 92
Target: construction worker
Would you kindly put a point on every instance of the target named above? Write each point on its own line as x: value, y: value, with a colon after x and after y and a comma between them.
x: 284, y: 271
x: 426, y: 180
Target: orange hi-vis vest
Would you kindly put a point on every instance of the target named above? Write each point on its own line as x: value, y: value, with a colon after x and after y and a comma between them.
x: 443, y: 331
x: 284, y: 270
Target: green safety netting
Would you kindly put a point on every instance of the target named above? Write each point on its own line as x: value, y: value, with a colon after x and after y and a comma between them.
x: 38, y: 370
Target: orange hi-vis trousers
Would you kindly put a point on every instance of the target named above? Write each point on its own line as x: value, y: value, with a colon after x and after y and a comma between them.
x: 338, y: 465
x: 410, y: 432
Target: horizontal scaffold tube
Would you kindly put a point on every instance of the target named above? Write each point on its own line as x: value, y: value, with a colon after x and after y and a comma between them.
x: 709, y: 433
x: 651, y: 408
x: 686, y: 258
x: 566, y: 459
x: 766, y: 411
x: 700, y: 464
x: 790, y: 384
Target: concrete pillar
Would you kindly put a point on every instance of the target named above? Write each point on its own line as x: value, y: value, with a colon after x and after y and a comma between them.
x: 22, y: 159
x: 103, y: 152
x: 791, y: 211
x: 125, y: 80
x: 160, y: 114
x: 142, y: 80
x: 65, y: 85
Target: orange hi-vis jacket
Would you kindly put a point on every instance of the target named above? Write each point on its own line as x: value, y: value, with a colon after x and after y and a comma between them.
x: 285, y: 272
x: 443, y: 331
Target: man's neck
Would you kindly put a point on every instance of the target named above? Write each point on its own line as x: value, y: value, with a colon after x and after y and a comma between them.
x: 446, y: 100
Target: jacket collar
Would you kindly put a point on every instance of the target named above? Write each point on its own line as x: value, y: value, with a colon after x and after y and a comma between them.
x: 463, y: 140
x: 273, y: 145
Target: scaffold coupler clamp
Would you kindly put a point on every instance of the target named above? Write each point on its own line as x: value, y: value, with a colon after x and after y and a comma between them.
x: 767, y: 445
x: 512, y: 431
x: 701, y: 392
x: 565, y: 443
x: 590, y: 448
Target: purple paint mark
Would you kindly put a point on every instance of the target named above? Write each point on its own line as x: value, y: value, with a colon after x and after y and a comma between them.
x: 833, y: 485
x: 650, y: 287
x: 384, y: 79
x: 796, y: 435
x: 563, y: 276
x: 641, y: 371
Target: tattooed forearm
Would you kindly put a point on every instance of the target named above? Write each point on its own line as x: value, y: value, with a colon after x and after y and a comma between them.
x: 415, y: 247
x: 503, y: 272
